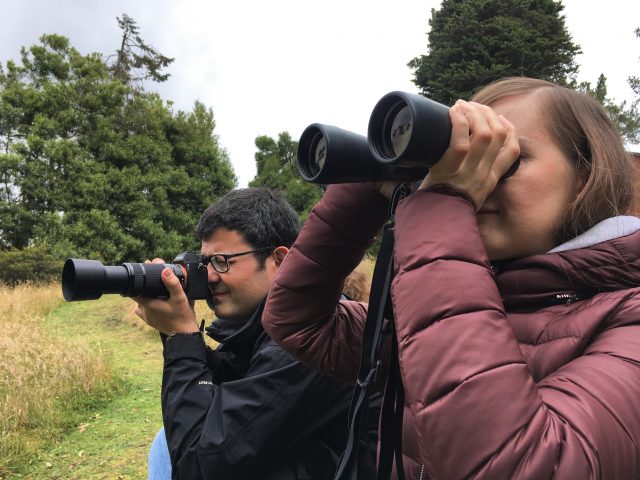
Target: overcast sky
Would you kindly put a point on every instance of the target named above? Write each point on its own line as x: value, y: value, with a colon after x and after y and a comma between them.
x: 266, y: 66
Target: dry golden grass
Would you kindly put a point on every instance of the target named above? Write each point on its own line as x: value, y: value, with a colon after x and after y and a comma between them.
x: 37, y: 370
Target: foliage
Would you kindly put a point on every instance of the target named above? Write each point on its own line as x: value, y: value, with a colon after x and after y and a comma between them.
x: 276, y: 168
x: 634, y: 81
x: 475, y: 42
x: 135, y: 61
x: 34, y: 264
x: 91, y: 167
x: 626, y: 117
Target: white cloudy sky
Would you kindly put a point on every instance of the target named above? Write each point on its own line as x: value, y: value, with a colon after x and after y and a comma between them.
x: 266, y: 66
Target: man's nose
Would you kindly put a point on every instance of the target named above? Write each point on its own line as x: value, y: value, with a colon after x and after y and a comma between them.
x: 212, y: 275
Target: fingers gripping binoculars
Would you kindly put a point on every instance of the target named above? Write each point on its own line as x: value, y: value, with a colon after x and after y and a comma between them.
x: 407, y: 134
x: 89, y: 279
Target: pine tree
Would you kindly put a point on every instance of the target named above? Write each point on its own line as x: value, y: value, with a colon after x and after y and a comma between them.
x: 474, y: 42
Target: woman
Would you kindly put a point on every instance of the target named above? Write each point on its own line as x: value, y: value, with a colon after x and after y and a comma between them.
x: 516, y: 303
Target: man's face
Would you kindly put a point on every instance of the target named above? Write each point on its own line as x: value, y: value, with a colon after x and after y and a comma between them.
x: 238, y: 292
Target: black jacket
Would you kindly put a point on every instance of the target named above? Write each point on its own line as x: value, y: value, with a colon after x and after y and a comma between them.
x: 248, y: 410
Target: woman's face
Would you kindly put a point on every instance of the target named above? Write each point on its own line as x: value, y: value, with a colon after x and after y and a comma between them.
x: 522, y: 215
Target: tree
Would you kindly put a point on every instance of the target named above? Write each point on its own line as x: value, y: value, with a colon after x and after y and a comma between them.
x: 474, y: 42
x: 276, y: 168
x: 626, y: 117
x: 136, y: 61
x: 634, y: 81
x: 89, y: 168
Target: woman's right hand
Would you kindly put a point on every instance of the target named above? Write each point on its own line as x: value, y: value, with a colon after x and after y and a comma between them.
x: 482, y: 148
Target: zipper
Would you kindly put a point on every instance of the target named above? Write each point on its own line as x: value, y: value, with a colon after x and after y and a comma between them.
x: 421, y: 472
x: 566, y: 298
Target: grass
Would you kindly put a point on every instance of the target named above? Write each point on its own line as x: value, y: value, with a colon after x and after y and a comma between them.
x: 112, y: 440
x: 99, y: 425
x: 40, y: 376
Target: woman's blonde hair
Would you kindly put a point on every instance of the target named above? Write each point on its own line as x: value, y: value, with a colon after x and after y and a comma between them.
x: 583, y: 131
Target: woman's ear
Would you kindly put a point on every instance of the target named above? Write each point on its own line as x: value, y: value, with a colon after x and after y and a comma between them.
x: 279, y: 255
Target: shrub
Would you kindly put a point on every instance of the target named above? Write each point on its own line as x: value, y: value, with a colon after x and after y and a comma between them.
x: 33, y: 264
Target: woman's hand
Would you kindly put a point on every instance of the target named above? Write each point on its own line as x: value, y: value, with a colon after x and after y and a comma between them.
x: 482, y: 148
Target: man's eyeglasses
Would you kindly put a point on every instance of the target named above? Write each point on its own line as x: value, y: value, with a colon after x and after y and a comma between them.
x: 220, y: 261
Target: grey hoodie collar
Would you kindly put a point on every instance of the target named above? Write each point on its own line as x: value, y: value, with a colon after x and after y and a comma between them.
x: 608, y: 229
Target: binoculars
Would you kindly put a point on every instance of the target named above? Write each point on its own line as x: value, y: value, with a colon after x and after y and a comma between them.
x: 407, y: 134
x: 88, y: 279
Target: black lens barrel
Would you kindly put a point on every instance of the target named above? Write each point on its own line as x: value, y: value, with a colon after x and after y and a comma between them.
x: 89, y: 279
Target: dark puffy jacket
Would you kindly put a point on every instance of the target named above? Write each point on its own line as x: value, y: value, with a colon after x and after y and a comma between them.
x: 527, y: 370
x: 248, y: 410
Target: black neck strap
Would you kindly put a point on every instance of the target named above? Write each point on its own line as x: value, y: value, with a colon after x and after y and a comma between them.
x: 379, y: 314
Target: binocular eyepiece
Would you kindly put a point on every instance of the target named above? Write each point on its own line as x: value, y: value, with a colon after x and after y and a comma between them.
x: 407, y: 135
x: 89, y: 279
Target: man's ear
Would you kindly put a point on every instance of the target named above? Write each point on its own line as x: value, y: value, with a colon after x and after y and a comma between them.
x: 279, y: 255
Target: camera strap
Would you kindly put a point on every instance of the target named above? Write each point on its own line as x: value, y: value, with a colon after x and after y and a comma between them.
x: 379, y: 322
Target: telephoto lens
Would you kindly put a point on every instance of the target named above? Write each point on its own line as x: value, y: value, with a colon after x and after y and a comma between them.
x: 89, y: 279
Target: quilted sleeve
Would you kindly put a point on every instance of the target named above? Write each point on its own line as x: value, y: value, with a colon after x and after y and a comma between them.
x: 303, y: 311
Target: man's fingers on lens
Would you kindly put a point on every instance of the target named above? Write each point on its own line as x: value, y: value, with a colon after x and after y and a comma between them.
x: 173, y: 285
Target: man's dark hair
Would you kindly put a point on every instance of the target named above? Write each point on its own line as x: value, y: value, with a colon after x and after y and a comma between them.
x: 261, y: 215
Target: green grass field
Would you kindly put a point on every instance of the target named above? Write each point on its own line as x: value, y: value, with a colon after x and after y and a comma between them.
x: 109, y: 437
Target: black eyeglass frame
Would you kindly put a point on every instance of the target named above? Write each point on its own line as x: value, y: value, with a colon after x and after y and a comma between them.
x: 208, y: 259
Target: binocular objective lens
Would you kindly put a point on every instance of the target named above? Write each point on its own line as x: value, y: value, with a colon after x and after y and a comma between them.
x: 400, y: 132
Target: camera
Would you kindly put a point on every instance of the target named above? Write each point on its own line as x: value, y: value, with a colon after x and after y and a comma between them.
x: 89, y: 279
x: 407, y: 134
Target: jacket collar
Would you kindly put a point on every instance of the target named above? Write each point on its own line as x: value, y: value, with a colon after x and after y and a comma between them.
x: 535, y: 281
x: 230, y: 333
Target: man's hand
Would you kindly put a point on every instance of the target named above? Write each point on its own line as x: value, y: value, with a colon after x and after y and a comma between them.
x: 172, y: 315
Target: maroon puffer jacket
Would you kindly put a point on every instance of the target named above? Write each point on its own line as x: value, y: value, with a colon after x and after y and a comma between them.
x: 545, y: 390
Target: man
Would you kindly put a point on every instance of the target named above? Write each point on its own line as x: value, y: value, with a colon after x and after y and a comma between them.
x: 246, y: 410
